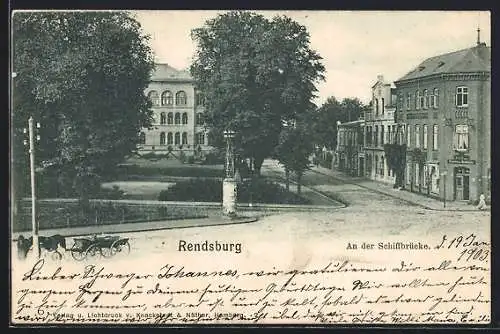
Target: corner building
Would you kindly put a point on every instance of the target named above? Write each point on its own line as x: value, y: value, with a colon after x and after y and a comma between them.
x: 178, y: 124
x: 444, y: 107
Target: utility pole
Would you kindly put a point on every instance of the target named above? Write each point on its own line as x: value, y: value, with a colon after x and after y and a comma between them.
x: 34, y: 222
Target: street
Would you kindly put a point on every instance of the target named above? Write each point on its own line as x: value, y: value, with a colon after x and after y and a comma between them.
x: 370, y: 216
x: 305, y: 241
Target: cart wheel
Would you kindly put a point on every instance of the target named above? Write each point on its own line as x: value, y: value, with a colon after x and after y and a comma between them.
x: 77, y: 254
x: 92, y: 252
x: 107, y: 252
x: 122, y: 248
x: 56, y: 256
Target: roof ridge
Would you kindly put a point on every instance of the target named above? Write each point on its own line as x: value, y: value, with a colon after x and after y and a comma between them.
x: 447, y: 54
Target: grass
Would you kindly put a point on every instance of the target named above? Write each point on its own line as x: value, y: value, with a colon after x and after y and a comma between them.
x: 126, y: 172
x: 63, y: 214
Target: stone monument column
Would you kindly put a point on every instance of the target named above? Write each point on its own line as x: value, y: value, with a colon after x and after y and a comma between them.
x: 229, y: 182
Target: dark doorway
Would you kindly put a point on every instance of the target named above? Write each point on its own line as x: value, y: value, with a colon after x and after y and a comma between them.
x: 461, y: 184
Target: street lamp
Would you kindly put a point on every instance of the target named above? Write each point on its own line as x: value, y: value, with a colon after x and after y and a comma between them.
x: 34, y: 222
x: 229, y: 182
x: 443, y: 174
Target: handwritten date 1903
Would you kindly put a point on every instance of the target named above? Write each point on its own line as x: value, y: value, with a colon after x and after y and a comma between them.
x: 461, y: 241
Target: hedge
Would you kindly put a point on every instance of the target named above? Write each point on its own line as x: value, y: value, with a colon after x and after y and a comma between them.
x: 210, y: 190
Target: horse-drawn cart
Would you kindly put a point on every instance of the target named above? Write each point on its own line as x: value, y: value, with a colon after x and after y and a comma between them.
x: 106, y: 246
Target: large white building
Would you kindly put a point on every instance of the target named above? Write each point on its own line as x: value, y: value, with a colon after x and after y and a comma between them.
x: 178, y: 124
x: 380, y: 129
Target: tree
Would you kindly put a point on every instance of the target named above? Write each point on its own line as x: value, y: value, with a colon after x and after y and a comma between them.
x: 256, y: 75
x: 396, y: 160
x: 82, y: 75
x: 331, y: 112
x: 293, y: 152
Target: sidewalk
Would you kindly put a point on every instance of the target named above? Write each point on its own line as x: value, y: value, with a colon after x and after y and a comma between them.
x: 141, y: 227
x: 387, y: 189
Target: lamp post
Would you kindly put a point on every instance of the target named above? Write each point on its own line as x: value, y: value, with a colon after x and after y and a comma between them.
x: 229, y: 182
x: 34, y: 222
x: 443, y: 174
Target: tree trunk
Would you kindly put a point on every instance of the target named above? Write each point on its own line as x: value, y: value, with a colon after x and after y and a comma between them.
x: 257, y: 164
x: 287, y: 175
x: 299, y: 180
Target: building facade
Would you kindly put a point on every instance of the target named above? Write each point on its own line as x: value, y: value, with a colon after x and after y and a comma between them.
x: 444, y: 106
x: 380, y: 129
x: 350, y: 156
x: 178, y: 124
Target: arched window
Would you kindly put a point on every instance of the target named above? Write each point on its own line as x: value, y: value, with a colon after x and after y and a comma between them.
x: 163, y: 118
x: 417, y: 100
x: 184, y: 118
x: 162, y: 138
x: 170, y: 138
x: 199, y: 118
x: 181, y: 98
x: 435, y: 98
x: 177, y: 118
x: 142, y: 138
x: 424, y: 141
x: 408, y: 101
x: 177, y: 138
x: 200, y: 138
x: 200, y: 99
x: 417, y: 135
x: 184, y: 138
x: 154, y: 98
x: 170, y: 118
x: 167, y: 98
x: 426, y: 99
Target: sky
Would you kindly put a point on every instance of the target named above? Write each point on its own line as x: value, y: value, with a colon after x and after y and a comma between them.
x: 356, y: 46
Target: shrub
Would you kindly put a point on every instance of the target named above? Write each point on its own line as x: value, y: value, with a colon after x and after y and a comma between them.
x: 195, y: 190
x: 190, y: 159
x: 214, y: 158
x: 210, y: 190
x: 114, y: 193
x: 182, y: 157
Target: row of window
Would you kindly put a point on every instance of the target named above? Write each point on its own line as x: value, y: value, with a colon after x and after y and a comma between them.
x: 426, y: 99
x: 417, y: 135
x: 175, y: 138
x: 170, y: 118
x: 376, y: 137
x: 167, y: 98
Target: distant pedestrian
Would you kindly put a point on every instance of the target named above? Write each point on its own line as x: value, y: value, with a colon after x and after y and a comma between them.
x: 482, y: 203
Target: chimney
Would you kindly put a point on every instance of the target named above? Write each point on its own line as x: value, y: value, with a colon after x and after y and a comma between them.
x: 478, y: 36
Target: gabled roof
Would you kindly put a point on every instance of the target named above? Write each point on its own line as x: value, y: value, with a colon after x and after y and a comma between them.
x: 165, y: 72
x: 475, y: 59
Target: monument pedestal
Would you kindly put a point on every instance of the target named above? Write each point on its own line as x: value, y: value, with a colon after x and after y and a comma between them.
x: 229, y: 196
